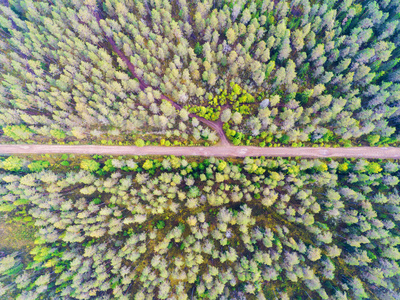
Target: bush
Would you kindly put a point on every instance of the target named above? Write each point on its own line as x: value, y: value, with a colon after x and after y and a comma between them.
x: 139, y: 143
x: 148, y: 164
x: 18, y: 132
x: 160, y: 224
x: 373, y: 139
x: 374, y: 167
x: 58, y: 134
x: 284, y: 139
x: 37, y: 166
x: 12, y: 163
x: 90, y: 165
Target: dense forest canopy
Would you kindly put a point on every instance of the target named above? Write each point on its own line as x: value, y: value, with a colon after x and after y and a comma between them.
x: 199, y: 72
x: 264, y: 72
x: 184, y: 228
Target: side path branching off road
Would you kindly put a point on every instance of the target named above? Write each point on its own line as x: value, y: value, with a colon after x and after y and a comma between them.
x: 216, y: 125
x: 222, y: 151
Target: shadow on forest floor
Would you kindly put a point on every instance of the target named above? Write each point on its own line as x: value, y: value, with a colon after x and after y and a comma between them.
x: 16, y: 236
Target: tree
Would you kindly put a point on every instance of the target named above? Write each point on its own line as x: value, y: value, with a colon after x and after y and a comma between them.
x: 79, y: 132
x: 12, y: 163
x: 58, y: 134
x: 226, y: 115
x: 255, y: 125
x: 246, y: 16
x: 90, y: 165
x: 314, y: 253
x: 139, y: 143
x: 285, y: 49
x: 237, y: 117
x: 198, y: 49
x: 373, y: 139
x: 374, y: 168
x: 358, y: 288
x: 17, y: 132
x: 148, y: 164
x: 231, y: 36
x: 70, y: 73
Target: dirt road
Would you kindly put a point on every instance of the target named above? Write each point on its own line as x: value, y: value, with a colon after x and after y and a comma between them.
x: 218, y: 151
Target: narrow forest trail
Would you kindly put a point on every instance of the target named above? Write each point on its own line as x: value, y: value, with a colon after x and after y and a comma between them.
x: 217, y: 126
x: 218, y: 151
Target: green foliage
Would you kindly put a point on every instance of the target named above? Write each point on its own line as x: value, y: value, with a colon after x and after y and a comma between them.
x: 148, y: 164
x: 198, y: 49
x: 343, y: 167
x: 18, y: 132
x: 58, y: 134
x: 160, y: 224
x: 6, y: 207
x: 89, y: 165
x: 139, y: 143
x: 326, y: 73
x: 37, y: 166
x: 237, y: 89
x: 193, y: 192
x: 284, y: 139
x: 222, y: 165
x: 21, y: 202
x: 270, y: 68
x: 108, y: 166
x: 303, y: 97
x: 209, y: 113
x: 373, y: 139
x: 304, y: 69
x: 12, y: 163
x: 96, y: 200
x: 374, y: 168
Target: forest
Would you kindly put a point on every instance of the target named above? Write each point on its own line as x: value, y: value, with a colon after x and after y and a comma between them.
x: 160, y: 72
x: 188, y: 228
x: 171, y: 73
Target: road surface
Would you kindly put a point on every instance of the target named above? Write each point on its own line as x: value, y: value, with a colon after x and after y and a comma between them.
x: 218, y: 151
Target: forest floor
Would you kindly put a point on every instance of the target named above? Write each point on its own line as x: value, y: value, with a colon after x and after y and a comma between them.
x: 217, y: 151
x: 16, y: 235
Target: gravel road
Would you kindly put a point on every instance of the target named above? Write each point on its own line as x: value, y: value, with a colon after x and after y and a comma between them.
x: 218, y: 151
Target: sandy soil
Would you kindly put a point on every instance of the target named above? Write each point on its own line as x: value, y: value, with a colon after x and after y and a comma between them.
x: 218, y: 151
